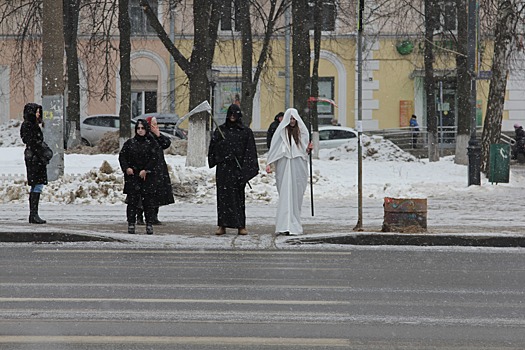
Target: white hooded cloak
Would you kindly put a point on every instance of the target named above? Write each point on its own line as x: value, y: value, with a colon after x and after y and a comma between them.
x: 291, y: 173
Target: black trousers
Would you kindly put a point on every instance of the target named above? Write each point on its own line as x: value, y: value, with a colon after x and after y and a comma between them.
x: 133, y: 205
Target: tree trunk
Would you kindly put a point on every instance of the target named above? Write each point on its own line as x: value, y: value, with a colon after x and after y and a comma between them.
x: 125, y: 72
x: 463, y: 85
x: 200, y: 63
x: 301, y: 58
x: 430, y: 85
x: 315, y: 76
x: 498, y: 82
x: 248, y: 89
x: 71, y: 11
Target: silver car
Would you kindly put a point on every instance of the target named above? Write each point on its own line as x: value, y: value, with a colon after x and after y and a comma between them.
x: 93, y: 128
x: 335, y: 136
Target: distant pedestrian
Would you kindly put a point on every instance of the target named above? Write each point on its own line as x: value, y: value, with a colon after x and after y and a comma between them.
x: 335, y: 122
x: 232, y: 150
x: 273, y: 126
x: 36, y: 156
x: 138, y: 159
x: 289, y: 153
x: 415, y: 130
x: 519, y: 146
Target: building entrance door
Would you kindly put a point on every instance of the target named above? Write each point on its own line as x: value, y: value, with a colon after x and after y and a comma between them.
x: 446, y: 111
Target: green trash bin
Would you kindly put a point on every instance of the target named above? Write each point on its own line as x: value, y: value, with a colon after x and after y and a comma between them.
x: 499, y: 163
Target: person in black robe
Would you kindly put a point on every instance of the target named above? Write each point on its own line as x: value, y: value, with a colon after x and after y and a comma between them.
x: 232, y: 150
x: 138, y: 159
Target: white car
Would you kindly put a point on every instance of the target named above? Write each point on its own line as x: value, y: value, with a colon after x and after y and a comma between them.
x: 334, y: 136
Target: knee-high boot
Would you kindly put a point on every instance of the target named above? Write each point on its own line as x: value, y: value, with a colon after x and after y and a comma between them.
x: 34, y: 198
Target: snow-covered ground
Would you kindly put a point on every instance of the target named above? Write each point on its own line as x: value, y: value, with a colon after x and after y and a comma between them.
x: 387, y: 172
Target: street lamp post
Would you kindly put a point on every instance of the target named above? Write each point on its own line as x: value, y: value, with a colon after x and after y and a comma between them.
x: 361, y: 9
x: 473, y: 149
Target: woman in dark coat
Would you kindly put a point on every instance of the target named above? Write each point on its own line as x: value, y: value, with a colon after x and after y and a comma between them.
x: 138, y: 159
x: 36, y: 163
x: 232, y: 150
x: 164, y: 191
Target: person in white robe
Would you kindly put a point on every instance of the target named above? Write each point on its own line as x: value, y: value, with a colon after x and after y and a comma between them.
x: 289, y: 155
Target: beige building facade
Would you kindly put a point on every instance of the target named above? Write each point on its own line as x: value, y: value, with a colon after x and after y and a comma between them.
x: 393, y: 87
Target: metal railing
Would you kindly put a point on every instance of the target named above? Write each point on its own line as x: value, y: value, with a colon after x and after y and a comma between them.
x: 404, y: 137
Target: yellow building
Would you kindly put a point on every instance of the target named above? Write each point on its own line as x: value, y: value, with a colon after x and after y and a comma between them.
x: 393, y: 86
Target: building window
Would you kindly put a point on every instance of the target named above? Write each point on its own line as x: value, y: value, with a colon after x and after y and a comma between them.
x: 143, y: 102
x: 328, y: 15
x: 230, y: 16
x: 326, y: 90
x: 447, y: 16
x: 139, y: 23
x: 325, y: 110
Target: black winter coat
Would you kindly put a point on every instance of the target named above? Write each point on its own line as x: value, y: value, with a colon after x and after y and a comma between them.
x: 236, y: 159
x: 139, y: 153
x: 33, y: 138
x: 164, y: 191
x: 271, y: 131
x: 520, y: 139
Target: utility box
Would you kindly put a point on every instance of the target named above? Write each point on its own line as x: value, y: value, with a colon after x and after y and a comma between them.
x: 405, y: 215
x: 499, y: 163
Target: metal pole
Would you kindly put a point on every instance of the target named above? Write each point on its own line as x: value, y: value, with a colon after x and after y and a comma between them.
x: 359, y: 225
x: 473, y: 149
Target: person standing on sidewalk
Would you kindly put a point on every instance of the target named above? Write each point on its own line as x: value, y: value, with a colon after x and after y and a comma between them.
x: 35, y: 158
x: 138, y: 160
x: 519, y: 146
x: 273, y: 126
x: 415, y: 130
x: 232, y: 150
x: 164, y: 191
x: 289, y: 153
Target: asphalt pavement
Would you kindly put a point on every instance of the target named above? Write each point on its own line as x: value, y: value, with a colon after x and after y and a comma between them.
x: 462, y: 222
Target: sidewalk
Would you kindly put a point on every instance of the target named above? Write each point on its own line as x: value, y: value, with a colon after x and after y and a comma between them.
x: 192, y: 226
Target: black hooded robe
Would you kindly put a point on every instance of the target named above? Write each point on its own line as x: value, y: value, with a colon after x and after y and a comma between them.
x: 238, y: 143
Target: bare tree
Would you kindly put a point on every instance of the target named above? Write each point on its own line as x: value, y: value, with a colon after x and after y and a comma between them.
x: 314, y: 91
x: 71, y: 16
x: 206, y: 17
x: 125, y: 71
x: 301, y: 57
x: 509, y: 12
x: 430, y: 84
x: 269, y: 17
x: 462, y: 85
x: 22, y: 20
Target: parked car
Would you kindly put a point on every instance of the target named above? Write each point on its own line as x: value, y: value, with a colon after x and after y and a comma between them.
x: 331, y: 136
x: 93, y: 127
x: 168, y: 123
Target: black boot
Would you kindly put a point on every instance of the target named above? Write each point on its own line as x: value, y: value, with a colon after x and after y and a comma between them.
x: 34, y: 198
x: 149, y: 229
x: 131, y: 228
x: 156, y: 220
